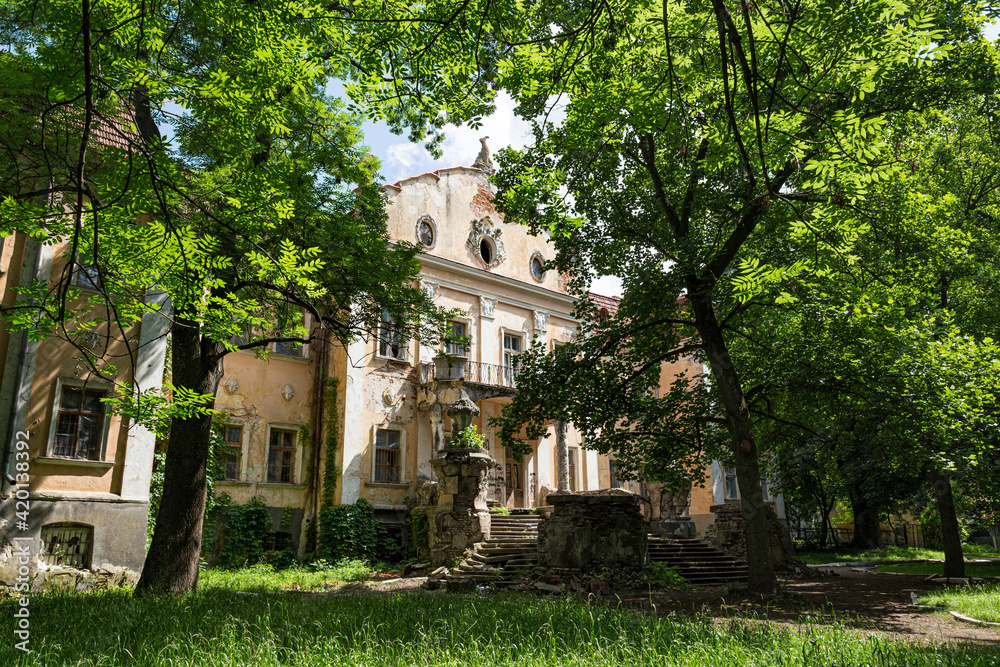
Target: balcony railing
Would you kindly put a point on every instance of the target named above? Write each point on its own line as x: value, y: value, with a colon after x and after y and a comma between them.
x: 477, y: 372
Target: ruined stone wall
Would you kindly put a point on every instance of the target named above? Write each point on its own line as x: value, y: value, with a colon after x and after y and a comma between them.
x: 593, y: 529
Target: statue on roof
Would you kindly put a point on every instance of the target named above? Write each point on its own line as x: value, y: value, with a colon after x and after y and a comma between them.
x: 484, y: 161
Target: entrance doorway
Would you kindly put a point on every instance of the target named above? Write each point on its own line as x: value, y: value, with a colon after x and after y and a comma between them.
x: 515, y: 483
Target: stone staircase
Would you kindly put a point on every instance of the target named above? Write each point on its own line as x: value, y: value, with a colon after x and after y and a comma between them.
x: 697, y: 561
x: 513, y: 544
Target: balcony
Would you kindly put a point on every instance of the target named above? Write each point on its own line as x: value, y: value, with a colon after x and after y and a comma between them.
x: 477, y: 372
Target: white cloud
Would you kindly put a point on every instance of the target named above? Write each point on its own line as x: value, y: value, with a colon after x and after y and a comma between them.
x: 607, y: 286
x: 399, y: 158
x: 461, y: 144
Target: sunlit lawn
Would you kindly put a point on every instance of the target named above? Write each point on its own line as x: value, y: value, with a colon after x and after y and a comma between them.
x: 971, y: 569
x: 221, y: 626
x: 979, y: 602
x: 891, y: 553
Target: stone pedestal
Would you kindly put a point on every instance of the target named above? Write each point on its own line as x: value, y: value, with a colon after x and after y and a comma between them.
x: 460, y: 517
x: 669, y: 511
x: 593, y: 529
x: 728, y: 532
x: 681, y: 528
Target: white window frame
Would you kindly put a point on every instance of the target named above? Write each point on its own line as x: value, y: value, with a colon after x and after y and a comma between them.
x: 296, y: 466
x: 402, y: 454
x: 467, y: 322
x: 573, y: 453
x: 404, y: 345
x: 54, y: 417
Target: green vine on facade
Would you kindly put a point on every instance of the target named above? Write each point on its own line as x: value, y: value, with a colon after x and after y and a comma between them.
x: 331, y: 471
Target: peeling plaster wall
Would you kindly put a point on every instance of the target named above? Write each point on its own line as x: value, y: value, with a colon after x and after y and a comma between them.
x: 255, y: 394
x: 453, y: 198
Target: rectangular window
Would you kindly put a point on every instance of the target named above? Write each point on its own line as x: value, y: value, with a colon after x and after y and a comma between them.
x: 289, y: 349
x: 66, y: 544
x: 281, y: 456
x: 87, y: 273
x: 613, y: 482
x: 456, y: 331
x: 388, y: 456
x: 80, y: 420
x: 765, y: 489
x: 572, y: 469
x: 511, y: 358
x: 732, y: 488
x: 390, y: 340
x: 234, y: 452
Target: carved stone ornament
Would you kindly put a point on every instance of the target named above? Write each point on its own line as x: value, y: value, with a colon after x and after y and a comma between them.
x: 430, y: 289
x: 389, y: 396
x: 287, y: 392
x: 486, y: 306
x: 541, y: 321
x: 232, y: 384
x: 485, y: 228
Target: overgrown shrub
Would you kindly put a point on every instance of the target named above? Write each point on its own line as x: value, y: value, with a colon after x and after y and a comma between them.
x: 662, y: 575
x: 418, y: 544
x: 247, y: 529
x: 352, y: 531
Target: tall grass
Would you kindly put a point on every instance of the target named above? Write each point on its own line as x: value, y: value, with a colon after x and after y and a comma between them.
x: 264, y: 577
x: 221, y: 627
x: 980, y: 602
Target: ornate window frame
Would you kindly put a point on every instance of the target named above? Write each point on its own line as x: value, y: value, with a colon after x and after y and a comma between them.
x: 531, y: 262
x: 481, y: 229
x: 434, y: 231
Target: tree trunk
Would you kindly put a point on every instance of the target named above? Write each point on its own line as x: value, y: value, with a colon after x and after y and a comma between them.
x: 172, y: 562
x: 951, y: 537
x: 761, y: 577
x: 867, y: 526
x: 562, y: 456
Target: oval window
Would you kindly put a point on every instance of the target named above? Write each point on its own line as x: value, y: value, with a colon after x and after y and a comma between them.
x: 425, y: 231
x: 486, y: 250
x: 538, y: 268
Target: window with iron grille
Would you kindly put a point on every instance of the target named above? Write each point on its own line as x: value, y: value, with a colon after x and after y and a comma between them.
x: 79, y: 431
x: 234, y: 451
x: 67, y: 544
x: 281, y: 456
x: 388, y: 456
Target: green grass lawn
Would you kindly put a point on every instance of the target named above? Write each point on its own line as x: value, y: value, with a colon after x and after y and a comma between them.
x: 888, y: 553
x: 971, y: 569
x: 220, y: 626
x: 979, y: 602
x: 264, y: 577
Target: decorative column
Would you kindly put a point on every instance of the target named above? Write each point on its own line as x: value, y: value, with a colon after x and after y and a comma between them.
x: 562, y: 456
x: 489, y: 352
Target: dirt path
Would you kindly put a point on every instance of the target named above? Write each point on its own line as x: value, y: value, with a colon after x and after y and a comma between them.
x: 866, y: 601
